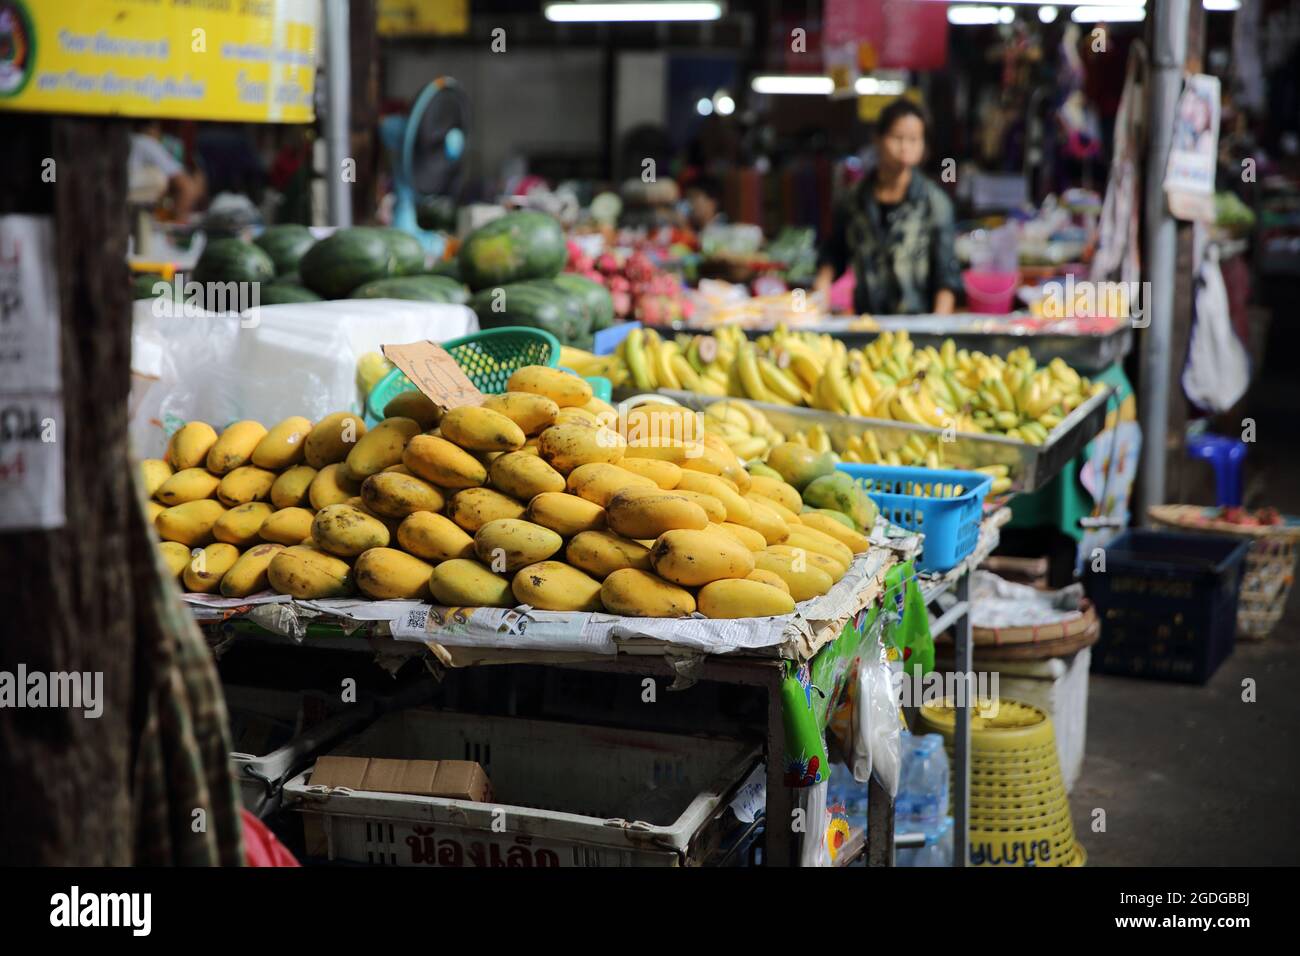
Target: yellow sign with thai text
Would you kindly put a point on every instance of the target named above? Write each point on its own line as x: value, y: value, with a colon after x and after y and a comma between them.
x: 232, y: 60
x: 399, y: 18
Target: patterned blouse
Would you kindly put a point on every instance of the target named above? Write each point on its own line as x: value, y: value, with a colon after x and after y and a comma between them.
x: 902, y: 255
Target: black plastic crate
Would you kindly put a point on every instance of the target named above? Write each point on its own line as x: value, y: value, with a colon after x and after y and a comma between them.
x: 1167, y: 604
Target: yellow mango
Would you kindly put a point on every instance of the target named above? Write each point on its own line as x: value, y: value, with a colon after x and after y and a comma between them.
x: 565, y: 514
x: 601, y: 553
x: 743, y: 597
x: 767, y: 522
x: 472, y: 508
x: 189, y: 484
x: 693, y: 558
x: 781, y: 511
x: 249, y: 574
x: 332, y: 438
x: 153, y: 472
x: 190, y: 523
x: 244, y: 484
x: 663, y: 473
x: 801, y: 536
x: 744, y: 534
x: 464, y: 583
x: 635, y: 593
x: 768, y: 577
x: 855, y: 542
x: 385, y: 574
x: 577, y: 416
x: 241, y: 525
x: 508, y: 544
x: 291, y: 486
x: 176, y: 557
x: 523, y: 476
x: 392, y: 495
x: 563, y: 389
x: 530, y: 412
x: 208, y: 567
x: 414, y: 404
x: 738, y: 509
x: 554, y: 586
x: 565, y: 447
x: 649, y: 515
x: 235, y: 446
x: 345, y: 531
x: 805, y: 583
x: 600, y: 481
x: 476, y: 428
x: 283, y: 445
x: 434, y: 537
x: 380, y: 447
x: 308, y: 573
x: 441, y: 463
x: 152, y: 510
x: 806, y: 557
x: 331, y: 486
x: 286, y: 526
x: 189, y: 446
x: 779, y: 491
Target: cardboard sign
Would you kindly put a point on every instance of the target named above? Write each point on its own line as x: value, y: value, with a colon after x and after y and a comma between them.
x: 434, y: 372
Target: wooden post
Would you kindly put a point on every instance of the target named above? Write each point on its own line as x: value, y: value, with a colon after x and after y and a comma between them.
x: 363, y: 54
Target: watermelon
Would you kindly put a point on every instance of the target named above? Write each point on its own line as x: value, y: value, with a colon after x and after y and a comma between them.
x: 535, y: 304
x: 513, y: 248
x: 289, y: 278
x: 350, y: 257
x: 233, y: 260
x: 285, y: 244
x: 421, y: 288
x: 283, y: 293
x: 437, y: 213
x: 596, y: 301
x: 447, y: 267
x: 406, y: 249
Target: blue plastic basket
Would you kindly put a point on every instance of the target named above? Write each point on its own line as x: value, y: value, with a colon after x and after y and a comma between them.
x: 923, y: 499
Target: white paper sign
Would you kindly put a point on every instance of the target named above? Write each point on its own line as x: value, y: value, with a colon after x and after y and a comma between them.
x: 1193, y: 155
x: 31, y: 387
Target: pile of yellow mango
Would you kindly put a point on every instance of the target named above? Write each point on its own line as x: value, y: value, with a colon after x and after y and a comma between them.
x: 542, y: 496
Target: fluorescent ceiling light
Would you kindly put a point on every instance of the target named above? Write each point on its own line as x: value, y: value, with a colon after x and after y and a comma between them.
x: 1226, y: 6
x: 1131, y: 13
x: 967, y: 16
x: 869, y: 86
x: 631, y: 12
x: 725, y: 105
x: 704, y: 106
x: 1047, y: 14
x: 807, y: 85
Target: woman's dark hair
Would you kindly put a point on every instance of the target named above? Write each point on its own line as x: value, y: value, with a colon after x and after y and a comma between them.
x: 895, y: 111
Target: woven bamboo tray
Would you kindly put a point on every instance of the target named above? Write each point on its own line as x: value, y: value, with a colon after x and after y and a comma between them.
x: 1270, y: 563
x: 1031, y: 643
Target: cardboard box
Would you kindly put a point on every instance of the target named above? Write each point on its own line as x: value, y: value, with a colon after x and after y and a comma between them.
x: 453, y: 779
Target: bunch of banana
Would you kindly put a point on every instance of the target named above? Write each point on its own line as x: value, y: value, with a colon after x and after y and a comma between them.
x: 744, y: 428
x: 815, y: 438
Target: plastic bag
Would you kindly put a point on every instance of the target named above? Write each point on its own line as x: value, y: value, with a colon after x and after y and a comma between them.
x: 1217, y: 372
x: 876, y: 748
x: 907, y: 624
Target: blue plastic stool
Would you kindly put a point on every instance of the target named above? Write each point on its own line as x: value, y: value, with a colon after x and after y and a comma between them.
x: 1226, y: 455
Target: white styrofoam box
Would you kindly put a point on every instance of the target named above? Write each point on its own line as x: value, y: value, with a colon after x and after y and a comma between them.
x: 296, y: 359
x: 563, y: 795
x: 1058, y: 685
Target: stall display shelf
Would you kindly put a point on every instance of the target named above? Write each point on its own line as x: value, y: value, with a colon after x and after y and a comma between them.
x: 992, y: 335
x: 645, y: 656
x: 1031, y: 466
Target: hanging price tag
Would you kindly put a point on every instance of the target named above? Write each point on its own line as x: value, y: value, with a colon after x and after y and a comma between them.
x: 434, y: 372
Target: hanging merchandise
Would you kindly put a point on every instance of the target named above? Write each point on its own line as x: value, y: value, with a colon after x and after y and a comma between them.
x: 876, y: 719
x: 806, y: 762
x: 1217, y: 372
x: 907, y: 625
x: 1193, y: 155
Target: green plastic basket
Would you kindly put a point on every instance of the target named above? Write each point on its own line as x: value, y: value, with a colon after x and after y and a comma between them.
x: 488, y: 358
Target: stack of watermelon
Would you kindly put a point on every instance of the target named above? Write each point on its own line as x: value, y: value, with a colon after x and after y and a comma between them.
x: 513, y: 266
x: 362, y: 262
x: 638, y: 288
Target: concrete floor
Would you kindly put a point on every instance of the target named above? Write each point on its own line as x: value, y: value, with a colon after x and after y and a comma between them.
x: 1193, y: 776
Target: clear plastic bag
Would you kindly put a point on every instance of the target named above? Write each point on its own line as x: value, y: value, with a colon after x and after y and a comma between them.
x: 876, y: 748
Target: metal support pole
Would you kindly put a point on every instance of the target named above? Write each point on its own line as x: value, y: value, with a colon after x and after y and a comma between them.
x: 880, y: 825
x: 1169, y: 35
x: 961, y: 729
x: 338, y: 86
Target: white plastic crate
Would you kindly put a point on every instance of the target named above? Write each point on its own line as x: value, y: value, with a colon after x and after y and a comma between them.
x: 273, y: 719
x: 563, y: 795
